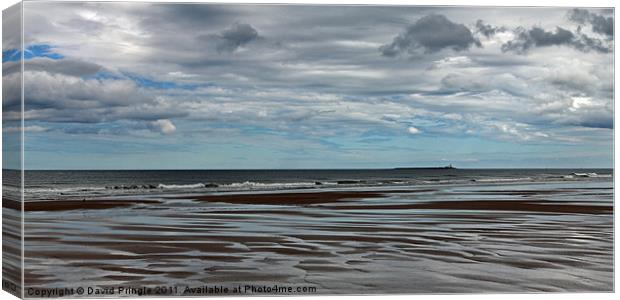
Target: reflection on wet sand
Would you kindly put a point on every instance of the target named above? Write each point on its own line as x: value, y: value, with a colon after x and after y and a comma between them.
x: 525, y: 238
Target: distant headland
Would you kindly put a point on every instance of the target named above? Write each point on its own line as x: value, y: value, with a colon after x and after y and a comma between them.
x: 450, y: 166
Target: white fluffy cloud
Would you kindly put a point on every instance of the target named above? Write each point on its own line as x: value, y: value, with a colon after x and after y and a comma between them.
x: 413, y: 130
x: 162, y: 126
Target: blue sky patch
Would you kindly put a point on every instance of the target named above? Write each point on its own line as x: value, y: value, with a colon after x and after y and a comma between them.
x: 141, y: 81
x: 32, y: 51
x: 146, y: 82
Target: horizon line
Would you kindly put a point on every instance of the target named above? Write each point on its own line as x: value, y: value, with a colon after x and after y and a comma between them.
x: 322, y: 169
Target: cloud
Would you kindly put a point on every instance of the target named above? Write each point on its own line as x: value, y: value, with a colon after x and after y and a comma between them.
x: 71, y: 67
x: 32, y: 128
x: 488, y: 30
x: 59, y: 91
x: 431, y: 33
x: 514, y: 131
x: 452, y: 61
x: 162, y: 126
x: 586, y: 43
x: 64, y: 91
x: 599, y: 23
x: 320, y: 84
x: 577, y: 77
x: 527, y: 39
x: 413, y: 130
x: 238, y: 35
x: 11, y: 33
x: 538, y: 37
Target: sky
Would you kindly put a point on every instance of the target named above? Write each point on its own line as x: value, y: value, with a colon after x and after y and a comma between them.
x: 202, y: 86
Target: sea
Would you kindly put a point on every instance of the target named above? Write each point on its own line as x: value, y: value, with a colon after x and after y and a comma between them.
x: 67, y: 183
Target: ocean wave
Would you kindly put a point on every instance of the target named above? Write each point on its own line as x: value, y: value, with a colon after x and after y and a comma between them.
x: 518, y: 179
x: 186, y: 186
x: 63, y: 190
x: 252, y: 184
x: 590, y: 175
x: 266, y: 186
x: 231, y: 186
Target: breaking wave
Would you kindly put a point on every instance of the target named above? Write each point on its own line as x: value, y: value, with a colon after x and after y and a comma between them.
x: 40, y: 191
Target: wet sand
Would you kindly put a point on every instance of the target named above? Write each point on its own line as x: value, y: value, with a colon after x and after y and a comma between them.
x: 451, y: 239
x: 329, y: 197
x: 289, y: 198
x: 64, y: 205
x: 11, y: 247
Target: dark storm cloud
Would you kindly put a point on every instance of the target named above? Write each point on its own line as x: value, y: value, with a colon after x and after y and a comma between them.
x: 487, y: 29
x: 236, y: 36
x: 538, y: 37
x: 431, y: 33
x: 586, y: 43
x: 193, y: 17
x: 600, y: 24
x: 578, y: 15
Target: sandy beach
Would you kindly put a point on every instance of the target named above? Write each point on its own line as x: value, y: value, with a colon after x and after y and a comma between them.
x: 450, y: 239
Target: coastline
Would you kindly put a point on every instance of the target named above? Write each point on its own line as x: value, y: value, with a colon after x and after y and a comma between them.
x: 318, y: 196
